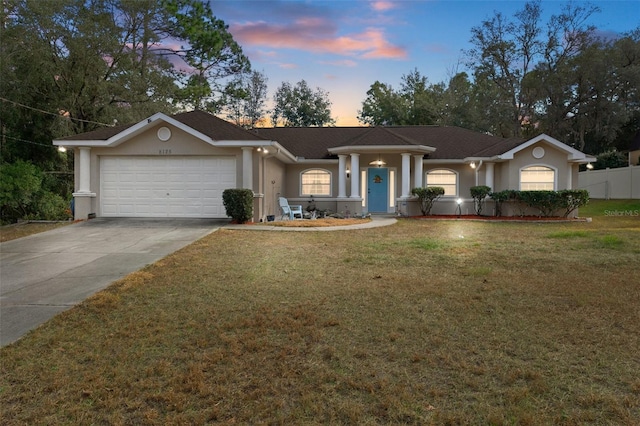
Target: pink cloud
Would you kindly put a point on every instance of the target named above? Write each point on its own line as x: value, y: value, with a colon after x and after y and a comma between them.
x: 382, y: 48
x: 319, y: 36
x: 381, y: 6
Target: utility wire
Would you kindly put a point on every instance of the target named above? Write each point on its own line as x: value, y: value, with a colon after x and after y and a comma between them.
x: 52, y: 113
x: 31, y: 142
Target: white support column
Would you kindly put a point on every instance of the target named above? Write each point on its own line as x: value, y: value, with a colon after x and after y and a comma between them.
x: 84, y: 186
x: 247, y: 168
x: 406, y: 174
x: 417, y: 170
x: 342, y: 176
x: 570, y: 176
x: 355, y: 175
x: 83, y: 199
x: 489, y: 176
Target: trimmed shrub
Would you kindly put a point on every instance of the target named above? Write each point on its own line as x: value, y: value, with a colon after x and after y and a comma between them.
x: 545, y: 201
x: 238, y: 204
x: 571, y: 199
x: 502, y: 196
x: 479, y: 193
x: 427, y: 197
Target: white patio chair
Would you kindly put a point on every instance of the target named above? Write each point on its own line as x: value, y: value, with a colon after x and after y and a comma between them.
x: 290, y: 211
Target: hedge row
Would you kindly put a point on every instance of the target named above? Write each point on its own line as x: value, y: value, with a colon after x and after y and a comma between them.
x: 547, y: 202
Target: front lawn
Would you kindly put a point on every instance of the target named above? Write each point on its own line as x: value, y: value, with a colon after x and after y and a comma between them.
x: 422, y: 322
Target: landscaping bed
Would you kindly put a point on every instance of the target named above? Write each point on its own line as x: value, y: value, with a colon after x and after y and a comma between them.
x: 503, y: 218
x: 315, y: 223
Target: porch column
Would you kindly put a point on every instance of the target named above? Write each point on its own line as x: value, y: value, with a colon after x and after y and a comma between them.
x: 83, y: 200
x: 355, y: 175
x: 84, y: 186
x: 417, y: 170
x: 489, y: 176
x: 342, y: 176
x: 247, y: 167
x: 569, y: 176
x: 406, y: 174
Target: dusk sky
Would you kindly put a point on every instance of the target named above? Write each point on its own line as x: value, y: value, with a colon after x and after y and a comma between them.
x: 345, y: 46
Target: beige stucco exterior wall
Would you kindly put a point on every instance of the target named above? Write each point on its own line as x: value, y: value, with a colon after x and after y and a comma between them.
x: 466, y: 177
x: 148, y: 144
x: 553, y: 158
x: 274, y: 180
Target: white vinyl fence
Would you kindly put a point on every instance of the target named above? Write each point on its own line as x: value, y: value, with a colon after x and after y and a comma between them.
x: 621, y: 183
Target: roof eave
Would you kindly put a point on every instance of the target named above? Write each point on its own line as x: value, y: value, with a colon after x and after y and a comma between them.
x: 572, y: 153
x: 133, y: 131
x: 584, y: 160
x: 444, y: 161
x: 367, y: 149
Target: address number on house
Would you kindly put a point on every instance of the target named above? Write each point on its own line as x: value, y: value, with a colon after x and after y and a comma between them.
x: 164, y: 151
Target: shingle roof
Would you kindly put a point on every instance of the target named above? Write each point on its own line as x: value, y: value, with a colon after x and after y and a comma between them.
x: 310, y: 142
x: 98, y: 135
x: 205, y: 123
x: 451, y: 143
x: 454, y: 142
x: 214, y: 127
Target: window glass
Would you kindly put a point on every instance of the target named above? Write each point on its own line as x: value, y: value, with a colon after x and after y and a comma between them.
x: 316, y: 182
x: 446, y: 179
x: 537, y: 178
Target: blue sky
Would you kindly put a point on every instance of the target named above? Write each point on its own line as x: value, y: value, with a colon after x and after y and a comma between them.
x: 344, y: 46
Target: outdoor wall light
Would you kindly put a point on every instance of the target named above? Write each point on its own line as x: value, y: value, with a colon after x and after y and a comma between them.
x: 62, y: 149
x: 473, y: 164
x: 259, y: 149
x: 589, y: 166
x: 348, y: 172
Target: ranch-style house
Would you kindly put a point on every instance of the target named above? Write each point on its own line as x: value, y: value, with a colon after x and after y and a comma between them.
x: 179, y: 165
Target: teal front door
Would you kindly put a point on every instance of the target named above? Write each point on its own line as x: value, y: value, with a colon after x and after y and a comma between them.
x: 377, y: 189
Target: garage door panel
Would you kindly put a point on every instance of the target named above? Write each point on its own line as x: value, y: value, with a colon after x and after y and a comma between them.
x: 165, y: 186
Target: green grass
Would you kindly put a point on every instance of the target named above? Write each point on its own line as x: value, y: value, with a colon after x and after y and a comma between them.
x: 611, y: 208
x: 569, y: 234
x: 423, y: 322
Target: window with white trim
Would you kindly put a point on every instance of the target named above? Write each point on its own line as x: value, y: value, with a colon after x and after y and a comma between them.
x: 447, y: 179
x: 315, y: 182
x: 537, y: 178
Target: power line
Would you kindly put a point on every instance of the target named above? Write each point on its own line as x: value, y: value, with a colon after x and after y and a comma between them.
x: 52, y: 113
x: 31, y: 142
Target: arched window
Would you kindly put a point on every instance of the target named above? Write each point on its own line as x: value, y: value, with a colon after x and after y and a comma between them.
x: 315, y: 182
x: 537, y: 178
x: 447, y: 179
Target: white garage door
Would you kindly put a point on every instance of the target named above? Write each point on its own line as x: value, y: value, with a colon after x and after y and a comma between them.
x: 165, y: 186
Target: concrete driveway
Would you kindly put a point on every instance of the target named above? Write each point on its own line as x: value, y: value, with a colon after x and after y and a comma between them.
x: 44, y: 274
